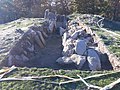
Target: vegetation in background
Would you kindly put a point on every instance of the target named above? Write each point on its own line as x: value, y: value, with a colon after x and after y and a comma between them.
x: 14, y: 9
x: 108, y: 8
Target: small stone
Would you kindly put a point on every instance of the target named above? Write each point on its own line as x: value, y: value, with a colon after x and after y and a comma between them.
x: 64, y: 60
x: 78, y: 60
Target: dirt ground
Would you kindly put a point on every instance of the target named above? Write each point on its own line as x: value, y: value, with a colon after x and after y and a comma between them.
x: 47, y: 57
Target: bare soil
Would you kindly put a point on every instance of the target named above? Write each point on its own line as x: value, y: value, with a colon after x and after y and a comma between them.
x: 47, y: 56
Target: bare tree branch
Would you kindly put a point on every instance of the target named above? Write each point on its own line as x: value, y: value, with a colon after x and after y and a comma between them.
x: 89, y: 85
x: 9, y: 71
x: 111, y: 85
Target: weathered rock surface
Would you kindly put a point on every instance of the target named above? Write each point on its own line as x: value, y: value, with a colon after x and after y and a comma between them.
x: 78, y: 60
x: 19, y: 44
x: 85, y: 48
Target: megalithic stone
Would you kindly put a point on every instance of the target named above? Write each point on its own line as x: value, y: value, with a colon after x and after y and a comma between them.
x: 46, y: 30
x: 25, y: 58
x: 64, y: 60
x: 94, y: 60
x: 64, y: 38
x: 79, y: 60
x: 74, y: 35
x: 62, y: 30
x: 41, y: 37
x: 44, y: 34
x: 38, y: 41
x: 31, y: 49
x: 42, y: 29
x: 46, y: 13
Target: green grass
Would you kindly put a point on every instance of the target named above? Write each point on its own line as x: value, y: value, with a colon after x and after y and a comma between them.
x: 112, y: 42
x: 22, y: 22
x: 31, y: 85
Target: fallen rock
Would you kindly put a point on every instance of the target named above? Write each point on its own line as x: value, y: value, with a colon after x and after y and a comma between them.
x: 81, y: 47
x: 64, y: 60
x: 78, y: 60
x: 68, y: 49
x: 93, y: 60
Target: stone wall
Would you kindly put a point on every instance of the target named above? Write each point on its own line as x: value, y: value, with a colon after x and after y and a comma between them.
x: 19, y: 45
x: 103, y: 49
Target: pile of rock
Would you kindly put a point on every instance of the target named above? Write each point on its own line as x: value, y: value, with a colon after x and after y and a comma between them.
x: 79, y: 46
x: 27, y: 46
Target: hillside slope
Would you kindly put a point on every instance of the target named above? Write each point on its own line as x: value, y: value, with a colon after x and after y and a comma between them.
x: 34, y: 71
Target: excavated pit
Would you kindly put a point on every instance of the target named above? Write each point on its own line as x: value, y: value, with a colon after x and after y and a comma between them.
x: 47, y: 56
